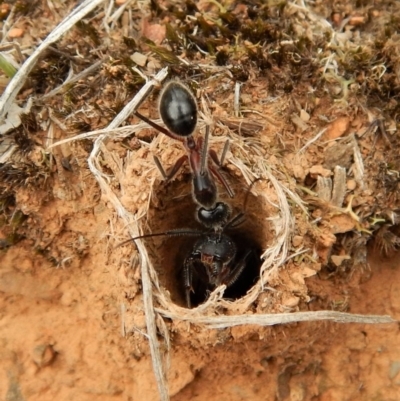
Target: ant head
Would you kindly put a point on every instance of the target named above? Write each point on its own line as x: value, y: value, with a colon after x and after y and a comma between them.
x: 217, y: 251
x: 217, y: 217
x: 178, y: 109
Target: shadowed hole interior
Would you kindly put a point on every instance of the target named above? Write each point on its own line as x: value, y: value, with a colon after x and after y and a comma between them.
x: 174, y: 208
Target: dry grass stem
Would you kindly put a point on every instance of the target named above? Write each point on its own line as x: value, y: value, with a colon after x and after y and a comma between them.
x: 222, y: 322
x: 312, y: 140
x: 147, y: 274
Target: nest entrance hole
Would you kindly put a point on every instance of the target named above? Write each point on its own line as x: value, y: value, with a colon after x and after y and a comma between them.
x: 173, y: 207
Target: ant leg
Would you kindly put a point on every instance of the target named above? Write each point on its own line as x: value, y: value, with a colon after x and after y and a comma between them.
x: 157, y: 127
x: 160, y: 167
x: 187, y: 279
x: 240, y: 217
x: 222, y: 180
x: 237, y: 270
x: 236, y: 221
x: 214, y: 156
x: 211, y: 152
x: 178, y: 164
x: 224, y: 152
x: 203, y: 145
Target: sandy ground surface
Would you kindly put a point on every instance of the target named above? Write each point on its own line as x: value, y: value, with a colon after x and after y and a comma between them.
x: 72, y: 321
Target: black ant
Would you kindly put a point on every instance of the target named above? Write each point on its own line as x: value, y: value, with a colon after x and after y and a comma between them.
x: 178, y: 110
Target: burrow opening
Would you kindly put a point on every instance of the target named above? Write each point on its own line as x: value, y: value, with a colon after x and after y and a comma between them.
x: 173, y: 207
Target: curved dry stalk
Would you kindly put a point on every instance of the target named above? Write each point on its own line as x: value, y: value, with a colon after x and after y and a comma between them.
x: 147, y: 272
x: 146, y: 281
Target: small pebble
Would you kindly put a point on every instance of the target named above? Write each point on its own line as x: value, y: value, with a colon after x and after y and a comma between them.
x: 338, y: 259
x: 139, y: 58
x: 337, y: 128
x: 394, y: 369
x: 297, y: 241
x: 15, y: 33
x: 43, y: 355
x: 291, y: 302
x: 357, y: 20
x: 304, y: 115
x: 351, y: 185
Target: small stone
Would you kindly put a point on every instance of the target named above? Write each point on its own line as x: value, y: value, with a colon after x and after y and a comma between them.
x: 394, y: 369
x: 342, y: 223
x: 338, y: 259
x: 139, y: 58
x: 15, y: 33
x: 375, y: 13
x: 337, y: 128
x: 297, y: 278
x: 43, y: 355
x: 298, y: 172
x: 357, y: 20
x: 351, y: 185
x: 297, y: 392
x: 291, y: 302
x: 154, y: 32
x: 326, y: 239
x: 304, y: 115
x: 297, y: 241
x: 308, y: 272
x: 301, y: 125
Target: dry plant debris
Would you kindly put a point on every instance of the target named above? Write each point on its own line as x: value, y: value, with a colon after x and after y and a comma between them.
x: 308, y: 95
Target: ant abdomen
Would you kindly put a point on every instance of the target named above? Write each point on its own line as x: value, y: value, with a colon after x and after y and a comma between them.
x: 178, y: 109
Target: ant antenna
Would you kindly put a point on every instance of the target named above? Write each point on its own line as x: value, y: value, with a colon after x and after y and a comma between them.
x: 224, y: 152
x: 178, y: 232
x: 240, y: 217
